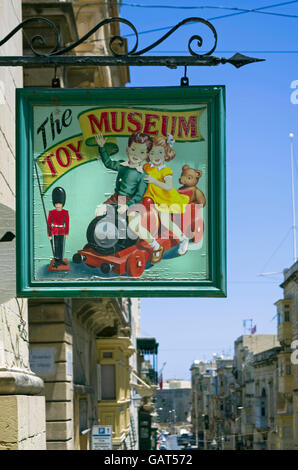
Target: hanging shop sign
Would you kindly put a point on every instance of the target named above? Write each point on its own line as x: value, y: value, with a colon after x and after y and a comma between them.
x: 121, y: 192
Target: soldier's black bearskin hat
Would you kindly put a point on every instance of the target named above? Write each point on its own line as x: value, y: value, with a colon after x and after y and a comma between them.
x: 58, y: 196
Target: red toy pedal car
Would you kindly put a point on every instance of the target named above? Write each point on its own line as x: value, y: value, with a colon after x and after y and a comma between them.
x: 114, y: 248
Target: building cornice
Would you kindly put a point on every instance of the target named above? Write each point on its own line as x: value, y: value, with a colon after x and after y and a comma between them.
x: 20, y: 383
x: 266, y: 357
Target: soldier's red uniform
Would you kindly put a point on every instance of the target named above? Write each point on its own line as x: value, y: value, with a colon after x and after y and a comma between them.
x: 58, y: 222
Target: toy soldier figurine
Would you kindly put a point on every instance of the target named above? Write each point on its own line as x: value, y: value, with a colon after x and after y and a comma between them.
x: 58, y: 226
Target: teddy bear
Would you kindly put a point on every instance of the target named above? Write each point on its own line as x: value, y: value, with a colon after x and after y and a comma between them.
x: 189, y: 178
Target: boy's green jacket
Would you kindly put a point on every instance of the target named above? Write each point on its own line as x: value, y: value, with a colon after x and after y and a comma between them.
x: 130, y: 181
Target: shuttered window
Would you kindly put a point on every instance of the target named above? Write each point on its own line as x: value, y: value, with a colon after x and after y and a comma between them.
x: 108, y: 382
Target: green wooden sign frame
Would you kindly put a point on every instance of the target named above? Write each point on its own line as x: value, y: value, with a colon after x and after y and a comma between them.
x: 211, y: 96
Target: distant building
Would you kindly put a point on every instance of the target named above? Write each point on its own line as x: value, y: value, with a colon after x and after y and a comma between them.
x: 203, y: 391
x: 245, y: 348
x: 223, y: 395
x: 251, y: 402
x: 287, y: 326
x: 173, y: 402
x: 222, y: 403
x: 265, y: 400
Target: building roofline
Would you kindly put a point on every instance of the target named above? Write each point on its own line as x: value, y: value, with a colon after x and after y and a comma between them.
x: 266, y: 356
x: 290, y: 274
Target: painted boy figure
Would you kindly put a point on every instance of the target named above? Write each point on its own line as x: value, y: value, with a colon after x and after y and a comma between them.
x: 130, y: 183
x: 58, y: 226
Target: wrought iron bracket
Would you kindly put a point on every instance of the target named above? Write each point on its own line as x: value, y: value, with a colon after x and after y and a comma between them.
x: 56, y: 56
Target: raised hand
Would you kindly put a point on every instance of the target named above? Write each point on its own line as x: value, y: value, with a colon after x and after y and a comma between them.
x: 100, y: 140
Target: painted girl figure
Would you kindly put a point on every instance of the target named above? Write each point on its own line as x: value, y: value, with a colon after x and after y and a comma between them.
x: 160, y: 188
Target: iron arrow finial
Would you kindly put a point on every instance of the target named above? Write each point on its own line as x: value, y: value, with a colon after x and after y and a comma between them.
x: 239, y: 60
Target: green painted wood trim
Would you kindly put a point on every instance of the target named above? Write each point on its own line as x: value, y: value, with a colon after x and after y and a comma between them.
x: 214, y: 97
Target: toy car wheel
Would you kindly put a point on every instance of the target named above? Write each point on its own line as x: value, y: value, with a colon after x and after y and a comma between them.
x: 78, y: 258
x: 136, y: 264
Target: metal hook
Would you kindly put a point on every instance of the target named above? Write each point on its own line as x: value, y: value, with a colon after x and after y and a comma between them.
x: 56, y: 80
x: 184, y: 80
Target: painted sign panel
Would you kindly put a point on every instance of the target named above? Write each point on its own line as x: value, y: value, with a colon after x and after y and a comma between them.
x: 102, y: 438
x: 121, y: 192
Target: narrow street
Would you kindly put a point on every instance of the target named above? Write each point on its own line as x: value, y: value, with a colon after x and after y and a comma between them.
x: 172, y: 443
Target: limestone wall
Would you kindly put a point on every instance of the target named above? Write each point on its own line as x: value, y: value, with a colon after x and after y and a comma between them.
x: 52, y: 360
x: 22, y: 415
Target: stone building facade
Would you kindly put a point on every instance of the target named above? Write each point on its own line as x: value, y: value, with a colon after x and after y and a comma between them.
x: 84, y: 350
x: 224, y: 395
x: 258, y: 409
x: 203, y: 391
x: 221, y: 418
x: 22, y: 406
x: 243, y: 391
x: 287, y: 327
x: 265, y: 400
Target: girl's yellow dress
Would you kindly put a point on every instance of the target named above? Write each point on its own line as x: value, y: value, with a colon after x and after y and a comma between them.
x: 166, y: 201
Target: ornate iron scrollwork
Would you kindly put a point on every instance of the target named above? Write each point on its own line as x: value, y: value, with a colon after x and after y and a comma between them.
x: 113, y: 40
x: 58, y: 50
x: 56, y: 56
x: 192, y: 39
x: 37, y: 37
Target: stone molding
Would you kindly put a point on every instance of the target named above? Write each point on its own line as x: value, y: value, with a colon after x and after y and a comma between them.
x: 20, y: 383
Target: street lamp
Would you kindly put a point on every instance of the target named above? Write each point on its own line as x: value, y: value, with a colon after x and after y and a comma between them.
x: 160, y: 414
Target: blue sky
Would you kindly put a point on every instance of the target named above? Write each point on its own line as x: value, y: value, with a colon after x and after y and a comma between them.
x: 259, y: 118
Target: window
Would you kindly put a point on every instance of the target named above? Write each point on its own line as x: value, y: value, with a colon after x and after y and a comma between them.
x: 107, y: 355
x: 263, y: 403
x: 107, y: 382
x: 287, y: 315
x: 288, y: 366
